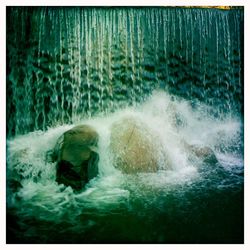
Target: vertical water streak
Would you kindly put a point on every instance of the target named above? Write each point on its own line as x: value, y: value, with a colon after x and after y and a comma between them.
x: 217, y: 50
x: 131, y: 45
x: 72, y: 63
x: 187, y: 34
x: 88, y: 58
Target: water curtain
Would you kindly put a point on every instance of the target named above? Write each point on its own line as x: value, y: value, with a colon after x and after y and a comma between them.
x: 69, y: 63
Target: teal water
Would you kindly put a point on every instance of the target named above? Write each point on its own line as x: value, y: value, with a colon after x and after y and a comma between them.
x: 69, y: 66
x: 65, y: 64
x: 191, y: 202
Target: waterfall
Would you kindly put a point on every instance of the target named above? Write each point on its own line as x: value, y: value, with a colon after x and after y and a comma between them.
x: 176, y: 73
x: 69, y: 63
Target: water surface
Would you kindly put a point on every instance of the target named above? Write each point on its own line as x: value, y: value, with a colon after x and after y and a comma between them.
x: 178, y: 70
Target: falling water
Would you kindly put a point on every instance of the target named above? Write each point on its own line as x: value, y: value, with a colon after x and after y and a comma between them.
x: 95, y: 66
x: 65, y: 64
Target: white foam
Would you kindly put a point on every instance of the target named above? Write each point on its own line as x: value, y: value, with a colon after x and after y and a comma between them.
x: 27, y: 153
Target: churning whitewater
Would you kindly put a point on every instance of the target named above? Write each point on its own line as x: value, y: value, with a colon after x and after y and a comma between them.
x: 174, y: 76
x: 40, y: 195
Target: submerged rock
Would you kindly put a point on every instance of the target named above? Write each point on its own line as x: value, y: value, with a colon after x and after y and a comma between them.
x: 133, y: 146
x: 76, y: 156
x: 204, y: 153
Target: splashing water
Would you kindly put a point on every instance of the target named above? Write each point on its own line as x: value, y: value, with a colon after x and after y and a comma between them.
x: 178, y: 71
x: 112, y: 193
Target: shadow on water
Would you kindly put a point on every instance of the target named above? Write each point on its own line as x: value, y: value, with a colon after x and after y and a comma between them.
x: 213, y: 216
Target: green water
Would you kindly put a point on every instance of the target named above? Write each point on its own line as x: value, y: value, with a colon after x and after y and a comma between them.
x: 197, y: 214
x: 69, y: 66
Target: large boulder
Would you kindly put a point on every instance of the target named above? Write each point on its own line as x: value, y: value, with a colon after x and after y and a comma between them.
x: 133, y: 147
x: 76, y: 156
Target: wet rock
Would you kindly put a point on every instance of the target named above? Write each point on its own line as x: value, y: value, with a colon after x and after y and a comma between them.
x: 76, y: 156
x: 203, y: 152
x: 206, y: 153
x: 133, y: 146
